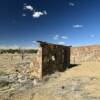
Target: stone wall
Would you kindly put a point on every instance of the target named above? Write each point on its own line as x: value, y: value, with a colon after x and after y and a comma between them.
x: 85, y: 54
x: 50, y: 58
x: 35, y: 69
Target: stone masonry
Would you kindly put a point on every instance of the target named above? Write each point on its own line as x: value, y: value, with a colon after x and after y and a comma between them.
x: 50, y: 58
x: 85, y: 54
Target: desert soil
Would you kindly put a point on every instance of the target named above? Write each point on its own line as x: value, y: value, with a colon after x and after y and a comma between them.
x: 81, y: 82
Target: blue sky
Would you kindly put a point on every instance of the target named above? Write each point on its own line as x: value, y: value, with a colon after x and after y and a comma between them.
x: 68, y: 22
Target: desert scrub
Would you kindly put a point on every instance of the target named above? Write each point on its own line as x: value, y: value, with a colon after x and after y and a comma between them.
x: 2, y: 73
x: 4, y: 83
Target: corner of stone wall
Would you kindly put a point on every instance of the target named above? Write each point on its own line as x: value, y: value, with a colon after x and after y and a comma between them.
x: 35, y: 68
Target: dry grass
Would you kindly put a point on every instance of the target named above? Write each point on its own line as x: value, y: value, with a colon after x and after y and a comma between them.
x: 9, y: 61
x: 78, y: 83
x: 81, y: 82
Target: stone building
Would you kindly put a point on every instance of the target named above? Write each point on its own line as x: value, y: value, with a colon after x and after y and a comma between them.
x: 50, y: 58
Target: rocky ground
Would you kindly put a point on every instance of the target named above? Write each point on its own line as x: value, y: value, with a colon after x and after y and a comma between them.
x: 82, y: 82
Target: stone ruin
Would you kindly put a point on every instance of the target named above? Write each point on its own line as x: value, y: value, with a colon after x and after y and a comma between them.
x: 52, y: 57
x: 49, y: 58
x: 85, y: 54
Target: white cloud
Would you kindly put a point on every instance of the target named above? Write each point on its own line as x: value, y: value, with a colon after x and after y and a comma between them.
x: 92, y: 36
x: 56, y: 37
x: 37, y: 14
x: 25, y: 4
x: 34, y: 42
x: 23, y: 14
x: 61, y: 43
x: 71, y: 4
x: 28, y: 7
x: 77, y: 26
x: 45, y: 12
x: 64, y: 37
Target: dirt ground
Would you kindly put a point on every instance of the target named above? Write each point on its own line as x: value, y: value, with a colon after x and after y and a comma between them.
x: 78, y: 83
x: 81, y: 82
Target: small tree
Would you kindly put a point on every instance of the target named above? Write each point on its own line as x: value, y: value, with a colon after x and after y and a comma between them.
x: 21, y: 52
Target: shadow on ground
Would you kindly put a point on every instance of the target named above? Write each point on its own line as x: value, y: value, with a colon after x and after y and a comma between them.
x: 73, y: 65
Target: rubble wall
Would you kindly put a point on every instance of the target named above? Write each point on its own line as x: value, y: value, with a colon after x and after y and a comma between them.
x: 85, y: 54
x: 35, y: 69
